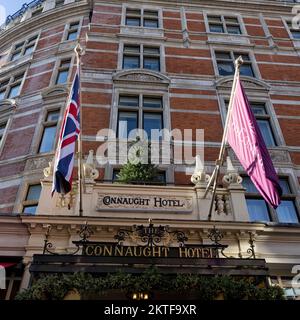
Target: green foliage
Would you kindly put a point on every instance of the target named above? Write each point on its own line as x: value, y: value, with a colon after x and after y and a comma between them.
x: 137, y: 173
x: 55, y: 287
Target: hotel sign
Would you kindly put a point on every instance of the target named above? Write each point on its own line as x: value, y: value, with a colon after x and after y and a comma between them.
x: 143, y: 202
x: 113, y: 250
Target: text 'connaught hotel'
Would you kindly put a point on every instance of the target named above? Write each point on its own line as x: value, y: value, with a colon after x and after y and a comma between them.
x: 148, y: 65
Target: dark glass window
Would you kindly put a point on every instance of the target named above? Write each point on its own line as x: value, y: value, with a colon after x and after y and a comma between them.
x: 128, y: 121
x: 49, y: 133
x: 225, y: 63
x: 140, y: 112
x: 63, y: 72
x: 259, y: 210
x: 31, y: 201
x: 134, y: 55
x: 224, y: 24
x: 145, y: 18
x: 73, y: 31
x: 10, y: 88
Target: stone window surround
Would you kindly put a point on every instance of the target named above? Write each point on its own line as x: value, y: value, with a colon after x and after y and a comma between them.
x: 57, y: 66
x: 7, y: 108
x: 146, y: 90
x: 123, y: 43
x: 227, y: 14
x: 292, y: 196
x: 250, y: 53
x: 142, y: 7
x: 67, y: 27
x: 29, y: 202
x: 140, y: 108
x: 40, y: 129
x: 14, y: 73
x: 23, y: 40
x: 23, y: 190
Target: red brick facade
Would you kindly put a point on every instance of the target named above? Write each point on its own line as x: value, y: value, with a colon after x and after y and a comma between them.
x: 187, y: 57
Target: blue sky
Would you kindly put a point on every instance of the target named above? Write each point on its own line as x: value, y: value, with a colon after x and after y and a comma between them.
x: 12, y: 6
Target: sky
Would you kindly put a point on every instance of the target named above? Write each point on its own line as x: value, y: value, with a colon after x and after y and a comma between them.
x: 10, y: 7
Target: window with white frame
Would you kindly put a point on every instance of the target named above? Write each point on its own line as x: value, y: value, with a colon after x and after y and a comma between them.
x: 259, y: 209
x: 63, y: 71
x: 49, y: 132
x: 142, y: 18
x: 10, y: 87
x: 141, y: 56
x: 225, y: 63
x: 140, y: 112
x: 295, y: 32
x: 23, y: 48
x: 224, y: 24
x: 31, y: 200
x: 73, y: 31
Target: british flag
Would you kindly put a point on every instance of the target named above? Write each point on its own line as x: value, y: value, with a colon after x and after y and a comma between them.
x: 65, y: 154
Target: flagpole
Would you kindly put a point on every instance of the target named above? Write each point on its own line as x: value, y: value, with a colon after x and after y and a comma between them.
x: 79, y: 53
x: 215, y: 175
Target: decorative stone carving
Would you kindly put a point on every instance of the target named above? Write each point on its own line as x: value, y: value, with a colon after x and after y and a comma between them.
x: 279, y: 155
x: 67, y: 200
x: 37, y: 163
x: 222, y: 203
x: 248, y: 83
x: 89, y: 168
x: 141, y: 76
x: 48, y: 171
x: 199, y: 177
x: 232, y: 176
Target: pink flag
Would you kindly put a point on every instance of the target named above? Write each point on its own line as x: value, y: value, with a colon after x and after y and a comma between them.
x: 247, y: 142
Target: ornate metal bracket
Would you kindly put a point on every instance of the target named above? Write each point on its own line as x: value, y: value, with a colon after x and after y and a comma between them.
x: 84, y: 233
x: 251, y: 250
x: 151, y: 235
x: 215, y: 235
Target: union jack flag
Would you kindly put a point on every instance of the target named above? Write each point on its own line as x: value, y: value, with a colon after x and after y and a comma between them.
x: 65, y: 154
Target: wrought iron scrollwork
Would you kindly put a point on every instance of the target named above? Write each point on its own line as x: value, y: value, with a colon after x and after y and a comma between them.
x: 151, y: 235
x: 84, y: 233
x: 215, y: 235
x: 251, y: 250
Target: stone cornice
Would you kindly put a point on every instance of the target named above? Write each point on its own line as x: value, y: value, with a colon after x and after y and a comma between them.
x: 191, y: 225
x: 47, y: 18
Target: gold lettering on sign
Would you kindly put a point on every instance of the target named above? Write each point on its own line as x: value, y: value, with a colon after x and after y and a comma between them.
x: 107, y: 250
x: 128, y: 252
